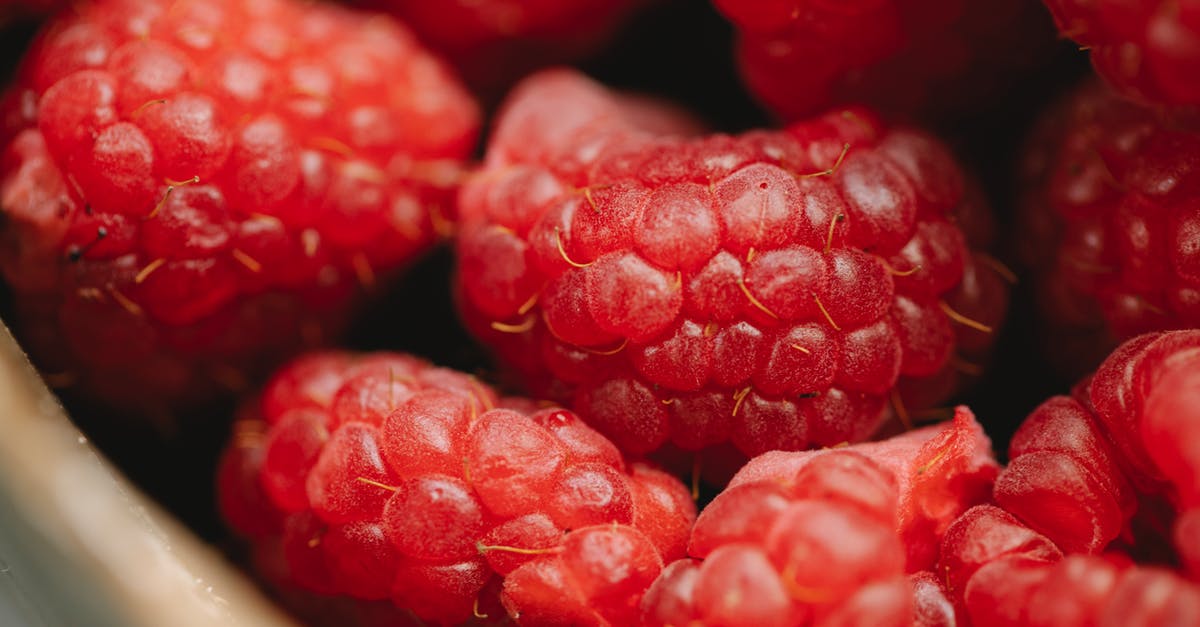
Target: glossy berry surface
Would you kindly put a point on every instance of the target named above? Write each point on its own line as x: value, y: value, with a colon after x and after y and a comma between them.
x: 1110, y: 223
x: 940, y: 471
x: 380, y: 478
x: 1107, y: 477
x: 1082, y: 469
x: 1147, y: 50
x: 793, y: 554
x: 190, y: 189
x: 827, y: 537
x: 1001, y: 573
x: 772, y: 289
x: 903, y: 56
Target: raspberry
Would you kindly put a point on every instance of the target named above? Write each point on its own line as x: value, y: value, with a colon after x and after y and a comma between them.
x: 931, y: 607
x: 1113, y: 470
x: 191, y: 189
x: 826, y: 537
x: 1082, y: 468
x: 380, y: 478
x: 1146, y: 50
x: 939, y: 471
x: 904, y: 56
x: 1003, y: 573
x: 1110, y: 222
x: 789, y: 554
x: 770, y: 289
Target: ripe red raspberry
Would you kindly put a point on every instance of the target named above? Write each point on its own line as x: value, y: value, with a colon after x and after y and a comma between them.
x: 1083, y: 469
x: 189, y: 188
x: 493, y: 42
x: 816, y: 550
x: 1001, y: 573
x: 826, y: 537
x: 940, y: 471
x: 1148, y: 50
x: 379, y: 477
x: 903, y: 56
x: 770, y: 289
x: 1111, y: 223
x: 1112, y: 470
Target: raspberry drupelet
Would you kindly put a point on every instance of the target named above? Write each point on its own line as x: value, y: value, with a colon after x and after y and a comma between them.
x: 189, y: 190
x: 1111, y: 223
x: 773, y: 289
x: 907, y: 57
x: 1108, y: 477
x: 1124, y: 446
x: 379, y: 477
x: 1147, y: 50
x: 843, y: 536
x: 1001, y: 573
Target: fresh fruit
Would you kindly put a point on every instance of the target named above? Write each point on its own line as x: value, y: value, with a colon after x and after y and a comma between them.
x: 494, y: 42
x: 379, y: 477
x: 903, y: 56
x: 1110, y: 224
x: 773, y: 289
x: 805, y: 552
x: 191, y: 190
x: 1107, y: 477
x: 1147, y: 50
x: 1082, y: 469
x: 1002, y: 573
x: 826, y: 537
x: 939, y: 471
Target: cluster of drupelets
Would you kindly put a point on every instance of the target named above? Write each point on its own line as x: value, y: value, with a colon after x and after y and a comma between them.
x: 194, y: 191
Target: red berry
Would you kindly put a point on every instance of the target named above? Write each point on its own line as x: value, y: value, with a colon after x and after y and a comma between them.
x: 1110, y: 228
x: 905, y: 56
x: 1112, y: 472
x: 984, y: 534
x: 1002, y: 573
x: 826, y: 537
x: 939, y: 472
x: 217, y: 178
x: 1081, y: 472
x: 931, y: 608
x: 770, y: 289
x: 1147, y: 50
x: 451, y: 505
